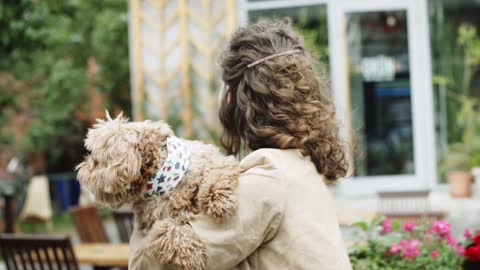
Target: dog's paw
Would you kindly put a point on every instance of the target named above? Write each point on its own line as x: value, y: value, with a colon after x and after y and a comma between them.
x: 217, y: 199
x: 175, y: 244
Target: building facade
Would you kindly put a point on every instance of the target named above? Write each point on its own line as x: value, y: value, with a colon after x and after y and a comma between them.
x: 400, y: 71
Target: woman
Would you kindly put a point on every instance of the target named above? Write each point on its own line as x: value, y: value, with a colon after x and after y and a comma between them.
x: 274, y: 106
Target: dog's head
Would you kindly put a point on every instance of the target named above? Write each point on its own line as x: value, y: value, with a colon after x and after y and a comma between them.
x: 122, y: 157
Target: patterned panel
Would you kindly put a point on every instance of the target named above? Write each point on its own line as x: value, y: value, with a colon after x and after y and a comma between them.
x: 174, y: 46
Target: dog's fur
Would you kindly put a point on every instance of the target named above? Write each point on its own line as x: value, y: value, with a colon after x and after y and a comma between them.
x: 124, y: 155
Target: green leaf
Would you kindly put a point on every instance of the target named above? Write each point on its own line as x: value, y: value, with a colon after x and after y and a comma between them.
x: 396, y: 225
x: 361, y: 224
x: 376, y: 221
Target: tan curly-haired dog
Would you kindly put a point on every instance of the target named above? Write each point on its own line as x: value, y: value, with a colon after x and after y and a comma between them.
x: 124, y: 155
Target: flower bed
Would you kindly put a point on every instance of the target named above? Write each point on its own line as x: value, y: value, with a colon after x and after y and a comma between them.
x: 389, y: 244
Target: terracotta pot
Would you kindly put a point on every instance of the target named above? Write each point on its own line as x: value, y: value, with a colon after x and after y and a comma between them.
x: 460, y: 184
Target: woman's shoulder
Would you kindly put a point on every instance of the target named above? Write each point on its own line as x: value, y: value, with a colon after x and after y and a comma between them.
x: 270, y: 172
x: 275, y: 162
x: 262, y: 175
x: 282, y: 167
x: 269, y: 158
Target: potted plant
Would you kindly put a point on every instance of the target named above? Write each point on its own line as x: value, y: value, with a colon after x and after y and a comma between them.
x: 461, y: 107
x: 456, y: 166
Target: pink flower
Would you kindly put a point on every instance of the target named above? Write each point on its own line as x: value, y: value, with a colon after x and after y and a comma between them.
x: 441, y: 228
x: 467, y: 234
x: 414, y: 243
x: 435, y: 254
x: 386, y: 226
x: 460, y: 250
x: 409, y: 226
x: 395, y: 248
x: 451, y: 240
x: 410, y: 249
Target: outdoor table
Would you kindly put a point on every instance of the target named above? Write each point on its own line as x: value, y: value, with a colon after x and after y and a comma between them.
x: 102, y: 255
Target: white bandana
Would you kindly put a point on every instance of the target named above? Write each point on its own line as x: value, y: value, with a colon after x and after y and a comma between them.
x: 172, y: 171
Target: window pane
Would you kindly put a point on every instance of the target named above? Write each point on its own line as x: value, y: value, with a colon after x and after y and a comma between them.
x: 310, y: 21
x: 380, y: 92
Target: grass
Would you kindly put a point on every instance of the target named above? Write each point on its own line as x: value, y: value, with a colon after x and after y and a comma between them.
x: 60, y: 223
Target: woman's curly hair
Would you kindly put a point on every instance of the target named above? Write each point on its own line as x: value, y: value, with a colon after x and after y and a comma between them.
x: 281, y: 102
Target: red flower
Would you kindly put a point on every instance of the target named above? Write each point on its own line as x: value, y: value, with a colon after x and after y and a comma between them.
x: 473, y: 253
x: 476, y: 240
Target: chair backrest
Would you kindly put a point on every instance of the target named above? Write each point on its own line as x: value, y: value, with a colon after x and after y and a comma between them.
x: 89, y: 225
x: 124, y: 221
x: 23, y: 251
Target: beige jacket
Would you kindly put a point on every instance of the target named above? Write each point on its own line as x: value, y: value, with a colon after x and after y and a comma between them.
x: 285, y: 220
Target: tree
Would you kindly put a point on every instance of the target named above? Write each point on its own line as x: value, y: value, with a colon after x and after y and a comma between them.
x: 61, y: 63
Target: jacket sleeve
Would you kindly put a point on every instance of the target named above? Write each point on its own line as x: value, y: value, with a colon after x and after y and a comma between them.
x: 260, y: 195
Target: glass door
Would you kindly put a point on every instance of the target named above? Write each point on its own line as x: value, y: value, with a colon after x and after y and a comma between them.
x: 380, y: 64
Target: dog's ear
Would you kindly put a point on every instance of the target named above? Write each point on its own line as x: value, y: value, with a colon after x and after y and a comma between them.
x: 114, y: 161
x: 121, y: 166
x: 112, y: 172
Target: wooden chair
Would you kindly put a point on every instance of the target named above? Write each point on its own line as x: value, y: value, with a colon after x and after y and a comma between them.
x: 124, y: 221
x: 22, y: 252
x: 407, y: 206
x: 89, y: 225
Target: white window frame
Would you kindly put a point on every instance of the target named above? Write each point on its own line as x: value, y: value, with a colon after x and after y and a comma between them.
x: 246, y: 6
x: 421, y: 93
x: 420, y: 78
